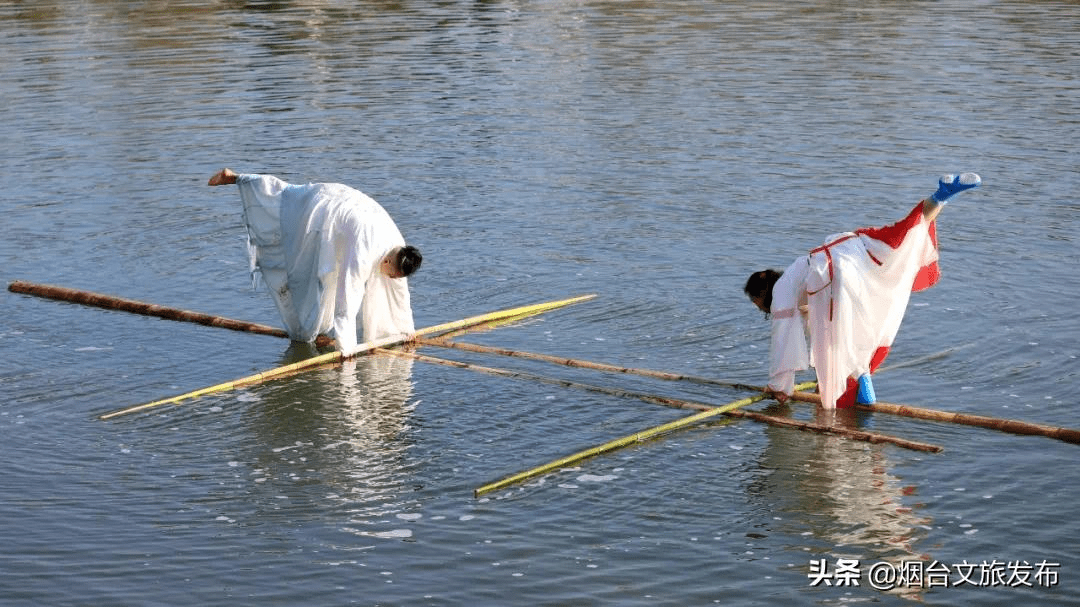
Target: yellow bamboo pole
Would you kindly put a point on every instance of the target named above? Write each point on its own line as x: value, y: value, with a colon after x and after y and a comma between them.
x: 705, y: 409
x: 618, y: 443
x: 331, y: 358
x: 494, y: 324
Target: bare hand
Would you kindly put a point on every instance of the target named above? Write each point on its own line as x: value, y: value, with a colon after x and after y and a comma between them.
x: 223, y: 177
x: 778, y: 395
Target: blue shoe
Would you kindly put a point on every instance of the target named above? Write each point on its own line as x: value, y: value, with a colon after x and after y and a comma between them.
x: 866, y: 394
x: 950, y: 185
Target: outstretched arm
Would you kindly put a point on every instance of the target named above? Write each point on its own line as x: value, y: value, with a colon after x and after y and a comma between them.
x: 223, y: 177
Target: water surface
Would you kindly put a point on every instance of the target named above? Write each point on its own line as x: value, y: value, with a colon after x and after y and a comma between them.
x: 652, y: 153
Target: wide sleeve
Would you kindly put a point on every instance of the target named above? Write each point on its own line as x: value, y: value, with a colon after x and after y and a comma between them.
x: 264, y: 197
x: 261, y: 195
x: 787, y: 349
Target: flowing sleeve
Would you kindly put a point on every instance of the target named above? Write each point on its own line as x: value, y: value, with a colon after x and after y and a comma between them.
x: 787, y: 349
x: 263, y: 197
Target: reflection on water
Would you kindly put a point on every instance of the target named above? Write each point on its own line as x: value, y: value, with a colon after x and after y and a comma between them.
x: 857, y: 507
x: 342, y: 433
x: 372, y: 401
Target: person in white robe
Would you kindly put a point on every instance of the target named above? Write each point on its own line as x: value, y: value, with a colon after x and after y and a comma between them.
x: 330, y: 255
x: 849, y: 295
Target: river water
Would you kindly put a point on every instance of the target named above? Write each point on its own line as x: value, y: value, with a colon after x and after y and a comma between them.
x: 653, y: 153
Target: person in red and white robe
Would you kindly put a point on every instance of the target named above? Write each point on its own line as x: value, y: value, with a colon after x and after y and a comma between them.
x: 849, y: 295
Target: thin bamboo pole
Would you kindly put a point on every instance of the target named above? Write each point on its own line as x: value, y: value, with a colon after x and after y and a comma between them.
x: 982, y: 421
x: 1012, y: 426
x: 676, y: 402
x: 484, y: 327
x: 443, y: 342
x: 651, y: 398
x: 331, y: 358
x: 618, y: 443
x: 862, y: 435
x: 636, y: 437
x: 111, y: 302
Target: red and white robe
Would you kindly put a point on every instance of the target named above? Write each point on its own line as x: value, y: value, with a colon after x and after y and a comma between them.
x: 850, y: 295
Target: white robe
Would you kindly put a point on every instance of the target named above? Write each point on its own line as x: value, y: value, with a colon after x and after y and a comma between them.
x: 850, y: 295
x: 318, y: 248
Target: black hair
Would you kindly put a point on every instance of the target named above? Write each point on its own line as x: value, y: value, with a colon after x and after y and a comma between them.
x: 760, y: 284
x: 409, y: 260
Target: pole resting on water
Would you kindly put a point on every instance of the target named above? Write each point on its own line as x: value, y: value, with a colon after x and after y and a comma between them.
x: 111, y: 302
x: 705, y: 411
x: 1012, y: 426
x: 335, y: 357
x: 729, y: 409
x: 679, y: 403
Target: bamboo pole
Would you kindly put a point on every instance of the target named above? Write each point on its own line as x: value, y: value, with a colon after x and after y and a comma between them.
x: 710, y: 411
x: 1012, y: 426
x: 982, y: 421
x: 111, y: 302
x: 651, y: 398
x: 331, y: 358
x: 618, y: 443
x: 443, y: 342
x: 862, y: 435
x: 676, y: 402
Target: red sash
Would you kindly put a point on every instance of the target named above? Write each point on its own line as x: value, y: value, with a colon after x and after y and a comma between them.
x: 893, y: 236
